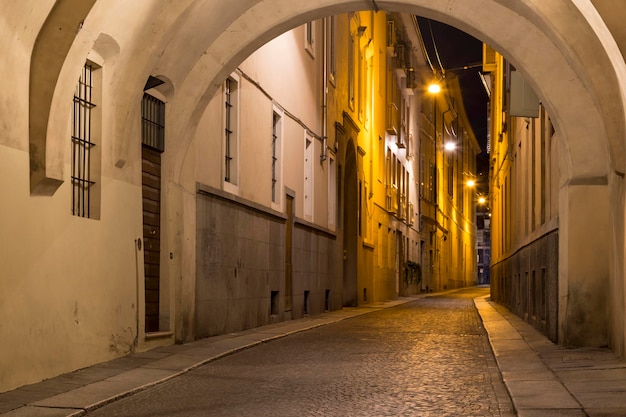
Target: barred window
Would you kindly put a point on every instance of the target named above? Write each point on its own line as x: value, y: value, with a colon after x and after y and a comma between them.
x: 275, y: 143
x: 82, y: 144
x: 309, y: 38
x: 153, y: 122
x: 231, y: 109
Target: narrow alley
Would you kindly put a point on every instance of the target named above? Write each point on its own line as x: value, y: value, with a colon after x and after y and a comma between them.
x: 430, y: 357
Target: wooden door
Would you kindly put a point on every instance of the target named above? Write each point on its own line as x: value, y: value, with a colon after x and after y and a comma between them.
x: 151, y: 191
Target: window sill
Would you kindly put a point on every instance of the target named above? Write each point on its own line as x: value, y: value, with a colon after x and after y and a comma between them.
x: 159, y: 335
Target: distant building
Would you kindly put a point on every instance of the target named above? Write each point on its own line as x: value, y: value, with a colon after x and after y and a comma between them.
x: 524, y: 199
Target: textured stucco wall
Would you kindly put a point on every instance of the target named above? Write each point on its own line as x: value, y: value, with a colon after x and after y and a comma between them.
x: 68, y: 285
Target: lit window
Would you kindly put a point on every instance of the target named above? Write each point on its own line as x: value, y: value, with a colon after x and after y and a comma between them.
x: 351, y: 72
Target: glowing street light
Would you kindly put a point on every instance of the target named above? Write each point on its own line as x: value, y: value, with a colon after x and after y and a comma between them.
x: 482, y: 200
x: 471, y: 183
x: 434, y: 88
x: 449, y: 146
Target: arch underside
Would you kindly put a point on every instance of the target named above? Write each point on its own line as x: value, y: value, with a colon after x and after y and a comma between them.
x: 195, y: 44
x: 560, y: 56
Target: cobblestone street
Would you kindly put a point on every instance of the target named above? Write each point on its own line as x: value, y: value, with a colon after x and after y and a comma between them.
x: 430, y: 357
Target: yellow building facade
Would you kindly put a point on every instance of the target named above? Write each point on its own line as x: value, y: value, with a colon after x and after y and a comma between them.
x: 524, y: 198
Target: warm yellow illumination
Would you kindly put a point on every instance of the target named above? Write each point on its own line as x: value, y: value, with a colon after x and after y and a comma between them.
x: 471, y: 183
x: 449, y: 146
x: 434, y: 88
x: 482, y: 200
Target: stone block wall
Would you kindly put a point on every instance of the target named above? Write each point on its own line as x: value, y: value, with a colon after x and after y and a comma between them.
x: 527, y: 283
x: 240, y: 271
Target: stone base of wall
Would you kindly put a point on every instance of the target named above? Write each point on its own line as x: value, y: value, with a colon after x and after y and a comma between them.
x: 527, y: 284
x: 240, y: 271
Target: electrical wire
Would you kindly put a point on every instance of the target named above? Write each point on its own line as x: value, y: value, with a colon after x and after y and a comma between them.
x: 418, y: 30
x: 432, y: 37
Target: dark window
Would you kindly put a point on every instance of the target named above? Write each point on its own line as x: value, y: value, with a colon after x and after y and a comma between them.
x: 275, y: 129
x: 82, y: 144
x: 228, y: 131
x: 153, y: 122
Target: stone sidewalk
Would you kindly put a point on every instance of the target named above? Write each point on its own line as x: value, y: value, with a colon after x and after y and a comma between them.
x: 542, y: 379
x: 545, y: 380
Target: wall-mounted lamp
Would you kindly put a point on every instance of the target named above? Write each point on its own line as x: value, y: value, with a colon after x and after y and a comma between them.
x: 449, y: 146
x: 434, y: 88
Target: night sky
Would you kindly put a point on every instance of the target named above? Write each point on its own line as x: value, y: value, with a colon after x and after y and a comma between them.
x: 457, y: 50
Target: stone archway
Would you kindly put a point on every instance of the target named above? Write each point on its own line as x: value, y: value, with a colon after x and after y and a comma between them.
x: 557, y: 67
x: 555, y: 58
x: 562, y: 47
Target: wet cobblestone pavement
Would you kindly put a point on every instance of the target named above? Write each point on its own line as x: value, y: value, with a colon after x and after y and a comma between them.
x: 430, y: 357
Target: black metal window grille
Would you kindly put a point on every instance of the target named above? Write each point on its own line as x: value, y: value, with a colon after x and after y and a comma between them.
x: 153, y: 122
x: 228, y: 130
x: 309, y: 34
x: 275, y: 129
x: 82, y: 144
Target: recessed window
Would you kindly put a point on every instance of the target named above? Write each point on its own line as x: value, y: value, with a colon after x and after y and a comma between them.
x: 85, y: 164
x: 332, y: 193
x: 306, y: 302
x: 351, y: 72
x: 277, y: 132
x: 274, y: 300
x: 309, y: 38
x: 308, y: 177
x: 331, y: 29
x: 231, y: 131
x: 153, y: 122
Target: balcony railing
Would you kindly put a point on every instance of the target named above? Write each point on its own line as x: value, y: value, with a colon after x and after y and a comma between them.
x: 391, y: 198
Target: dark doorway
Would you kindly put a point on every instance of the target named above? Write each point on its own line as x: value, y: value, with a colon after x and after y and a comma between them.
x: 350, y: 228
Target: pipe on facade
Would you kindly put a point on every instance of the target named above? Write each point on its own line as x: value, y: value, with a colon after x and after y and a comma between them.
x: 324, y: 155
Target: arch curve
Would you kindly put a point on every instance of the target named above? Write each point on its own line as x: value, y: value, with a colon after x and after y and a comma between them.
x: 587, y: 107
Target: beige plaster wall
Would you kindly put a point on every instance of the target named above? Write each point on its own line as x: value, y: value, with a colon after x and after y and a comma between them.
x: 68, y: 286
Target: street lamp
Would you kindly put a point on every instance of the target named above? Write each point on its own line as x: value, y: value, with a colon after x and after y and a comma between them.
x: 449, y: 146
x: 434, y: 88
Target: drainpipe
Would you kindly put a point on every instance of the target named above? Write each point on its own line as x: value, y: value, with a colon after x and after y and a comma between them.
x: 323, y: 156
x: 372, y: 136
